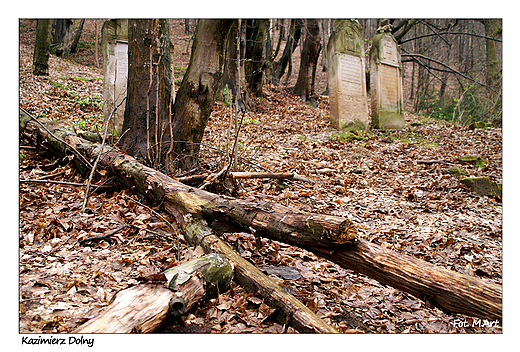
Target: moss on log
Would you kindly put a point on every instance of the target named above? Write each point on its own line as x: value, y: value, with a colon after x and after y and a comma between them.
x: 329, y: 236
x: 197, y: 233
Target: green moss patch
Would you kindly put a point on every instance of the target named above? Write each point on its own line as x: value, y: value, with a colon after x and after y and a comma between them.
x: 483, y: 186
x: 476, y: 160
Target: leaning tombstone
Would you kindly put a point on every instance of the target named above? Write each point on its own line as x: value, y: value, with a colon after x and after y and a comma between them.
x: 347, y: 85
x: 386, y: 87
x: 115, y: 70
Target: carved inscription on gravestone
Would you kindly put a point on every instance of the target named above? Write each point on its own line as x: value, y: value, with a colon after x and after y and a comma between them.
x: 347, y: 87
x: 386, y: 83
x: 389, y: 86
x: 350, y: 68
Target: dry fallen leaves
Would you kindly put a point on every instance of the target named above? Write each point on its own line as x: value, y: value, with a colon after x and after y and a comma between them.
x: 375, y: 180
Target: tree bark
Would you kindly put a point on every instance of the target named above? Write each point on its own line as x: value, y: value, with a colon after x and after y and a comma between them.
x: 74, y: 44
x: 493, y: 28
x: 197, y: 279
x: 197, y: 233
x: 142, y: 308
x: 445, y: 289
x: 145, y: 308
x: 291, y: 44
x: 149, y: 94
x: 62, y: 36
x: 304, y: 87
x: 42, y: 47
x: 230, y: 74
x: 196, y: 95
x: 331, y: 237
x: 255, y: 54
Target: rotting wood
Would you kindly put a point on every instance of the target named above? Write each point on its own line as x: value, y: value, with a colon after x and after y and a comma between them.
x: 145, y: 308
x: 311, y: 231
x: 198, y: 279
x: 141, y: 308
x: 197, y: 233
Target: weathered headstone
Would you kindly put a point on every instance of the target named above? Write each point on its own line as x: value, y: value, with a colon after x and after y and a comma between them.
x: 347, y: 85
x: 115, y: 70
x: 386, y: 87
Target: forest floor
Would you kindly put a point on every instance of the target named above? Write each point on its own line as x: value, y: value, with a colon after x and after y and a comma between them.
x: 373, y: 178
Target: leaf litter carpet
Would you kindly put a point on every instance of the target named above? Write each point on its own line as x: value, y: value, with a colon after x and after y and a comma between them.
x: 373, y: 178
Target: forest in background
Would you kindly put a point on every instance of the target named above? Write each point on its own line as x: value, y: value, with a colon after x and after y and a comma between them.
x: 445, y: 61
x: 361, y: 161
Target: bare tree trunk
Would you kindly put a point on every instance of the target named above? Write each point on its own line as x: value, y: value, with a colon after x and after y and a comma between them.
x: 309, y: 60
x: 74, y: 44
x: 291, y: 44
x: 42, y: 47
x: 493, y: 28
x: 96, y: 42
x: 148, y: 104
x: 255, y: 54
x: 62, y: 36
x: 232, y: 66
x: 196, y: 95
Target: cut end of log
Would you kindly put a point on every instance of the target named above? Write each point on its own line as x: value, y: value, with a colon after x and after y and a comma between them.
x: 327, y: 230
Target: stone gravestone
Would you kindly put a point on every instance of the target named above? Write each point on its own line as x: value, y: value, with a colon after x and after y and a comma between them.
x: 347, y: 85
x: 115, y: 70
x: 386, y: 87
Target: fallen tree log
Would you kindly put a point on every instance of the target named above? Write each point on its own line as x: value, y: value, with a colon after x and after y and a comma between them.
x: 329, y: 236
x: 197, y: 233
x: 141, y: 308
x: 448, y: 290
x: 197, y: 279
x: 144, y: 308
x: 266, y: 219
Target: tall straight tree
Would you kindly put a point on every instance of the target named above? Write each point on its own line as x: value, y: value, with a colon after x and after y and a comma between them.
x: 493, y: 28
x: 147, y: 118
x: 42, y: 47
x: 196, y: 95
x: 230, y: 71
x: 279, y: 66
x: 309, y: 60
x: 256, y: 34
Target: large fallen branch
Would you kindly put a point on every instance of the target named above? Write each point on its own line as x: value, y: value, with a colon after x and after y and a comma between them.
x: 141, y: 308
x: 197, y: 233
x: 445, y: 289
x: 144, y: 308
x: 328, y: 236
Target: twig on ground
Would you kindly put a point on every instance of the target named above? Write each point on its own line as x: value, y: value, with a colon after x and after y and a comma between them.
x: 93, y: 169
x: 163, y: 219
x: 104, y: 237
x: 78, y: 154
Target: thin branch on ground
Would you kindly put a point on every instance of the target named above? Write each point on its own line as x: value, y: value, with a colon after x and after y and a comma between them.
x: 162, y: 218
x: 78, y: 154
x: 99, y: 155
